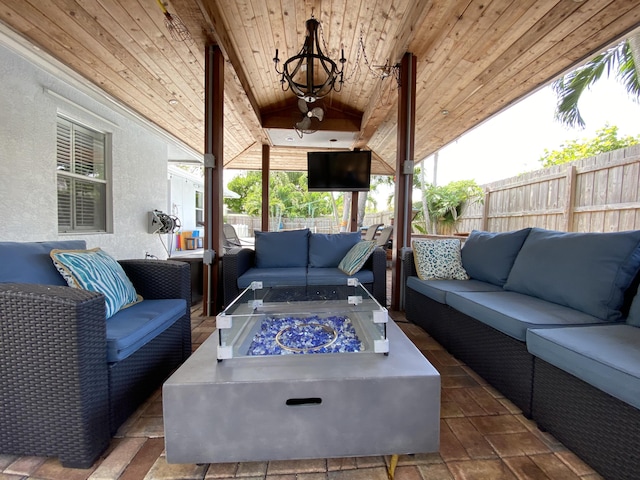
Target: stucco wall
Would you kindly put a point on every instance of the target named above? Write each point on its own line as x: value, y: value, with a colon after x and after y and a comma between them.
x: 28, y: 197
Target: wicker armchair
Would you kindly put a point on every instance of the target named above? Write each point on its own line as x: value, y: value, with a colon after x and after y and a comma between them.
x: 59, y: 395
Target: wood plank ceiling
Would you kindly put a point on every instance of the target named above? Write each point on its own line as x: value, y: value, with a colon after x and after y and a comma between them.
x: 475, y: 57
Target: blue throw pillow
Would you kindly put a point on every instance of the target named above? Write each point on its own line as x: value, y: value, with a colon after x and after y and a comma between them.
x: 282, y: 249
x: 586, y: 271
x: 327, y: 249
x: 97, y: 271
x: 489, y: 256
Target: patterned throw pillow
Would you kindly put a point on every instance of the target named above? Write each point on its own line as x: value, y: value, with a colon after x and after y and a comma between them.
x: 357, y: 256
x: 97, y: 271
x: 438, y: 259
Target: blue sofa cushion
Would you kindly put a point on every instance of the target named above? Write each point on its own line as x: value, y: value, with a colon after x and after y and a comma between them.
x: 335, y: 276
x: 438, y: 289
x: 513, y: 313
x: 282, y: 249
x: 586, y: 271
x: 273, y: 277
x: 634, y: 312
x: 327, y: 249
x: 134, y: 327
x: 29, y: 262
x: 604, y: 356
x: 489, y: 256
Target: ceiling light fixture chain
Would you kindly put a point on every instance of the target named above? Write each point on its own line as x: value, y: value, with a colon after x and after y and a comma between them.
x: 387, y: 90
x: 377, y: 71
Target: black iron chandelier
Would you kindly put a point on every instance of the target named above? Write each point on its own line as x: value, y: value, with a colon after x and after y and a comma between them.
x: 310, y: 74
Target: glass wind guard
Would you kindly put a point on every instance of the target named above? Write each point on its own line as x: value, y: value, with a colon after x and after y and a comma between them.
x: 314, y: 319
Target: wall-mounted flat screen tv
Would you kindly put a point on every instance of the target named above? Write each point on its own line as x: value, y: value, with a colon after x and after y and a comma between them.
x: 339, y: 171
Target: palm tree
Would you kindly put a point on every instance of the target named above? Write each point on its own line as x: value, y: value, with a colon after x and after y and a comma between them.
x: 622, y: 59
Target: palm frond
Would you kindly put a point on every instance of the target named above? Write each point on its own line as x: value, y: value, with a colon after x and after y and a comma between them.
x: 628, y: 74
x: 570, y: 88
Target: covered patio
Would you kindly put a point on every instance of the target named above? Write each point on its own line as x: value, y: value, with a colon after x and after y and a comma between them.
x: 417, y: 74
x: 428, y: 71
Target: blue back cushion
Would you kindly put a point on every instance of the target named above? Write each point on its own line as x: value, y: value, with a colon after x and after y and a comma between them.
x: 586, y: 271
x: 634, y: 312
x: 29, y: 262
x: 327, y: 249
x: 282, y: 249
x: 489, y: 256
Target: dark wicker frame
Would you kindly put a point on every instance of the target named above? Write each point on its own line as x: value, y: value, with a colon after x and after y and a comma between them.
x: 599, y: 428
x: 59, y: 396
x: 238, y: 260
x: 501, y: 360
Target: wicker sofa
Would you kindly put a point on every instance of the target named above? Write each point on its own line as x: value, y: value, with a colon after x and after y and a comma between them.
x: 69, y: 377
x: 300, y: 258
x: 551, y: 320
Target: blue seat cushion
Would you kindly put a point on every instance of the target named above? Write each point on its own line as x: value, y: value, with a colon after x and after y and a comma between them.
x: 438, y: 289
x: 135, y: 326
x: 335, y: 276
x: 327, y: 249
x: 489, y: 256
x: 513, y: 313
x: 282, y: 249
x: 586, y: 271
x: 273, y: 277
x: 604, y: 356
x: 29, y: 262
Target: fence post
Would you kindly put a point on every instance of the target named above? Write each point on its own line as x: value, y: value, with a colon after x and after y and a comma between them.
x: 570, y: 197
x: 485, y: 210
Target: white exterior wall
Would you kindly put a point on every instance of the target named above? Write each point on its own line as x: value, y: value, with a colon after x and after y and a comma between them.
x: 28, y: 196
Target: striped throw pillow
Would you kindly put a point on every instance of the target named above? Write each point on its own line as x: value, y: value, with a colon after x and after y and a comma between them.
x: 97, y: 271
x: 357, y: 256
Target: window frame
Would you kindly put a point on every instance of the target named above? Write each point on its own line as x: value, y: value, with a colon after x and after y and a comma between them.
x: 199, y: 194
x: 99, y: 185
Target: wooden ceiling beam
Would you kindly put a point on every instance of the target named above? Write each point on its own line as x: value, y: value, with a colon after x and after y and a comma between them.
x: 213, y: 17
x: 379, y: 107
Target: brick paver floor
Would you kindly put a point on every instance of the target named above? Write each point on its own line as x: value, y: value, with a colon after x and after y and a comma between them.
x: 483, y: 437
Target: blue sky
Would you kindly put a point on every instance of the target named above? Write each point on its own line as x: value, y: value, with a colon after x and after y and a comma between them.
x: 512, y: 142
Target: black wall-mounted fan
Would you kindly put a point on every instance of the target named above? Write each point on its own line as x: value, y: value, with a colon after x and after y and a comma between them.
x: 310, y: 117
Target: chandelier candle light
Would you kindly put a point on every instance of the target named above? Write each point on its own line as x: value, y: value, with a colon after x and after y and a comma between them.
x: 299, y: 72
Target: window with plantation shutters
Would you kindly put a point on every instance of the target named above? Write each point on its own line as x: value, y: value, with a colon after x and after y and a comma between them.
x: 81, y: 178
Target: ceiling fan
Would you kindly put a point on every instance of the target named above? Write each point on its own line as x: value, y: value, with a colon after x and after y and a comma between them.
x: 310, y: 118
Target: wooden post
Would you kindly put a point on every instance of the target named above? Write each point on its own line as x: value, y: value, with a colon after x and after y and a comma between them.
x: 266, y: 165
x: 570, y: 198
x: 213, y: 185
x: 485, y: 209
x: 354, y: 212
x: 404, y: 174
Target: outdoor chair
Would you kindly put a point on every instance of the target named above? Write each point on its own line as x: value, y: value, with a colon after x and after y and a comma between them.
x: 371, y: 231
x: 231, y: 240
x: 384, y: 236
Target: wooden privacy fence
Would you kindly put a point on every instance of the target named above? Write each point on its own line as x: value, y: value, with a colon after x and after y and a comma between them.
x: 597, y: 194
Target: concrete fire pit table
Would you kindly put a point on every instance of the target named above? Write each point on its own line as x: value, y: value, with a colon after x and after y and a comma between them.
x: 226, y: 405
